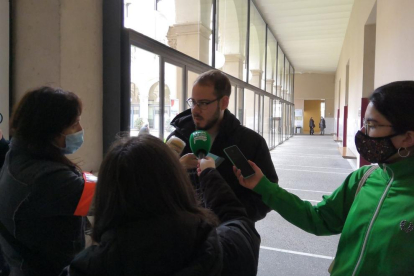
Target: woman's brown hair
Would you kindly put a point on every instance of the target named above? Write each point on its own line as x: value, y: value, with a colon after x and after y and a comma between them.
x: 41, y: 116
x: 141, y: 178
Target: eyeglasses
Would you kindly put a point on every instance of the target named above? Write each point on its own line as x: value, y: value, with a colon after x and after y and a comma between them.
x: 371, y: 125
x: 201, y: 104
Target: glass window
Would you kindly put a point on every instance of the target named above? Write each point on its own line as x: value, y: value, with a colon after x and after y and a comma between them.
x: 256, y: 48
x: 280, y: 71
x: 181, y: 24
x: 285, y: 86
x: 249, y: 106
x: 323, y: 109
x: 174, y: 101
x: 277, y: 120
x: 240, y: 105
x: 231, y: 37
x: 144, y: 91
x: 292, y: 79
x: 186, y: 26
x: 141, y: 16
x: 266, y: 119
x: 271, y: 63
x: 190, y: 82
x: 232, y: 101
x: 257, y: 113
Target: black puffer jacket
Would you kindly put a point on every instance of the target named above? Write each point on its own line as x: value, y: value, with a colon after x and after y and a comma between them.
x: 4, y: 147
x: 179, y: 245
x: 38, y: 199
x: 252, y: 145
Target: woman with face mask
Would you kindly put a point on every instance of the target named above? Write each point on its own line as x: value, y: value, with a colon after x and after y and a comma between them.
x: 43, y: 195
x: 373, y: 209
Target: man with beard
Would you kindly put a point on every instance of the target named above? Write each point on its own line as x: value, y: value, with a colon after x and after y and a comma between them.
x: 208, y: 111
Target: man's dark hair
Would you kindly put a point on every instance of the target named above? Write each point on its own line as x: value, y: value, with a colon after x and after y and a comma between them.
x: 41, y: 116
x: 142, y: 178
x: 218, y: 80
x: 395, y: 102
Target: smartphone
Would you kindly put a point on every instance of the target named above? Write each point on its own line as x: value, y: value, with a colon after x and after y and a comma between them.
x: 237, y: 158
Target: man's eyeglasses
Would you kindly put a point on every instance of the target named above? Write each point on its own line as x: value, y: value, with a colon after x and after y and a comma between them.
x: 371, y: 125
x: 201, y: 104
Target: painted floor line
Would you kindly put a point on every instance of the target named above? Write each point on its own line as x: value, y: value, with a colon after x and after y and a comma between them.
x: 279, y: 154
x: 300, y: 190
x: 300, y: 153
x: 281, y: 169
x: 297, y: 253
x: 330, y: 168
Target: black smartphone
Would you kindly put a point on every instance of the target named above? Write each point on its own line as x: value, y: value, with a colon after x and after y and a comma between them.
x: 237, y: 158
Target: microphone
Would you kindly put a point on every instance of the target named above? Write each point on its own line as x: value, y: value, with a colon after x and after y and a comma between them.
x: 200, y: 143
x: 176, y: 145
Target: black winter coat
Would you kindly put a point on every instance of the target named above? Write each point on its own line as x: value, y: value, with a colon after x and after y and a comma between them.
x: 38, y: 199
x: 180, y: 244
x: 4, y: 147
x: 252, y: 145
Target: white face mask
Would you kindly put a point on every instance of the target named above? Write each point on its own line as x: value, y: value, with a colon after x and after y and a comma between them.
x: 73, y: 142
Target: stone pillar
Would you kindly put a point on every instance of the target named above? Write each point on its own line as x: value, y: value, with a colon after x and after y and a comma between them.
x: 59, y: 43
x: 269, y: 85
x: 256, y: 77
x: 279, y: 91
x: 234, y: 65
x: 284, y: 94
x: 192, y: 39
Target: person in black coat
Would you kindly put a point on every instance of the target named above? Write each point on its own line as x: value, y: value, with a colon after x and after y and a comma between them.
x: 4, y: 148
x: 44, y: 196
x: 311, y: 126
x: 208, y: 111
x: 148, y: 220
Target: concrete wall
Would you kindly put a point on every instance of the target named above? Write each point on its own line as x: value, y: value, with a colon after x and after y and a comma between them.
x: 316, y: 87
x: 312, y: 109
x: 4, y: 66
x: 395, y: 41
x: 352, y: 54
x: 59, y: 43
x: 393, y: 49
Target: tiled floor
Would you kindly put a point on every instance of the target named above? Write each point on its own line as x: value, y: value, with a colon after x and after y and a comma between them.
x: 308, y: 166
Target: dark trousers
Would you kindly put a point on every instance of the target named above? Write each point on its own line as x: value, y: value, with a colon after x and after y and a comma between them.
x: 311, y: 131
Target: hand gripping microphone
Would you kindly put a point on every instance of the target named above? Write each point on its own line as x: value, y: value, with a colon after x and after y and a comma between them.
x: 176, y: 144
x: 200, y: 143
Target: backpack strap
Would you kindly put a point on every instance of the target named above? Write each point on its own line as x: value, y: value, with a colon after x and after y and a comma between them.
x: 365, y: 177
x: 360, y: 184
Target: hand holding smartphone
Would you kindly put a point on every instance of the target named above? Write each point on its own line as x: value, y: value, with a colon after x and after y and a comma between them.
x: 237, y: 158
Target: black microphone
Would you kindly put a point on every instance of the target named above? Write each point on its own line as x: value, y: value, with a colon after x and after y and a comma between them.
x: 200, y: 143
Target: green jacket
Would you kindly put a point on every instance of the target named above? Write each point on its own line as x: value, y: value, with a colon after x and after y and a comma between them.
x: 376, y: 225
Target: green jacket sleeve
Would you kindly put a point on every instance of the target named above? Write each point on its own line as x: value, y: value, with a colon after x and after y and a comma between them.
x: 325, y: 218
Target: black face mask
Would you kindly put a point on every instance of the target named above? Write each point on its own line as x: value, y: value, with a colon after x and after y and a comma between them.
x: 375, y: 149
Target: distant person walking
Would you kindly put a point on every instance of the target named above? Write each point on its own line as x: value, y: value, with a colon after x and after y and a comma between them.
x: 311, y: 126
x: 322, y: 126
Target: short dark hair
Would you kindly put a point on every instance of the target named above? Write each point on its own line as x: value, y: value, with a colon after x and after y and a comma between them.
x: 40, y: 116
x: 141, y: 178
x: 395, y: 102
x: 218, y: 80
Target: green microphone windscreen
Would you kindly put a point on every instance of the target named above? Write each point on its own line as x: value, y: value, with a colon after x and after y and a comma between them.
x: 200, y: 143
